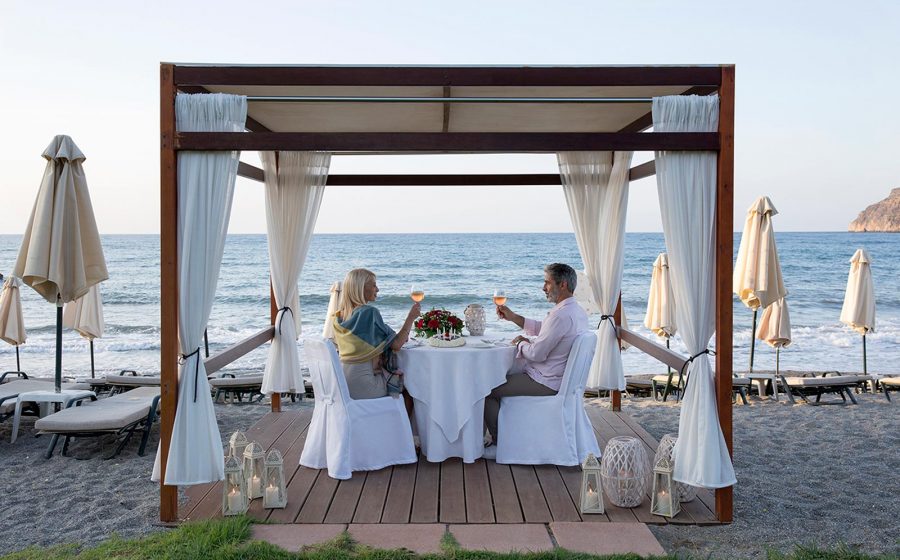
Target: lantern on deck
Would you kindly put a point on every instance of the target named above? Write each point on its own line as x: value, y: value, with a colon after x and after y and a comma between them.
x: 275, y: 495
x: 664, y: 499
x: 234, y: 489
x: 666, y: 448
x: 625, y: 471
x: 591, y: 492
x: 254, y: 470
x: 236, y: 445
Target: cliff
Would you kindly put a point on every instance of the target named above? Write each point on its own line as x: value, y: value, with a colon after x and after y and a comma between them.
x: 881, y: 216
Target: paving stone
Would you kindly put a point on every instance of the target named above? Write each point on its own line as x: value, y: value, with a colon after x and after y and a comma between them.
x: 607, y: 538
x: 421, y: 538
x: 294, y: 537
x: 531, y: 537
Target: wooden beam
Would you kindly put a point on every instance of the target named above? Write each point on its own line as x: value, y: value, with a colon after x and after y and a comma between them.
x: 724, y: 255
x: 653, y: 349
x: 645, y: 121
x: 445, y: 126
x: 448, y: 75
x: 461, y: 142
x: 168, y: 238
x: 431, y: 180
x: 238, y: 349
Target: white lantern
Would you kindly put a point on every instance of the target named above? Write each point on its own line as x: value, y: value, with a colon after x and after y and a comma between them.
x: 664, y: 500
x: 236, y: 445
x: 254, y: 470
x: 275, y: 494
x: 475, y: 321
x: 685, y: 492
x: 625, y: 471
x: 234, y: 489
x: 591, y: 491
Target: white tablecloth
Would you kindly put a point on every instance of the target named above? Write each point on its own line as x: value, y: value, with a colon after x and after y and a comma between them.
x: 449, y: 386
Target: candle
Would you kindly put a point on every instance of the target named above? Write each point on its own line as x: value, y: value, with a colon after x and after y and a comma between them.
x: 234, y: 500
x: 256, y: 486
x: 593, y: 499
x: 665, y: 502
x: 271, y: 495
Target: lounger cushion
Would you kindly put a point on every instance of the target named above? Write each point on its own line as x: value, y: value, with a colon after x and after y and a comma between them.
x: 824, y: 381
x: 891, y: 381
x: 638, y: 382
x: 133, y: 380
x: 104, y: 415
x: 229, y: 382
x: 13, y: 388
x: 735, y: 381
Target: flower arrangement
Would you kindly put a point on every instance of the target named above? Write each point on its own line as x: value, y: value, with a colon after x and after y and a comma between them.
x: 439, y: 323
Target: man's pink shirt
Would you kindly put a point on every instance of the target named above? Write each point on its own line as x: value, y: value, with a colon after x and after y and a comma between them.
x: 545, y: 356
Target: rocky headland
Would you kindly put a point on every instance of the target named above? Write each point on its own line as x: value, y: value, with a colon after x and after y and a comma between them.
x: 881, y: 216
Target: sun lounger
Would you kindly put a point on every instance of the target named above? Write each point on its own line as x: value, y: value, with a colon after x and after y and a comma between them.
x: 664, y: 384
x: 121, y: 414
x: 10, y: 390
x: 889, y: 384
x: 128, y: 380
x: 230, y: 386
x: 638, y: 386
x: 808, y: 385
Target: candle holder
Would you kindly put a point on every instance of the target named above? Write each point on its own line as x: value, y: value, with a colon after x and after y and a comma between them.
x: 591, y: 490
x: 625, y: 470
x: 236, y: 445
x: 664, y: 499
x: 234, y: 489
x: 254, y: 470
x: 666, y: 447
x: 275, y: 494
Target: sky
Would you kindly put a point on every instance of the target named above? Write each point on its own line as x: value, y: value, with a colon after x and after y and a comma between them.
x: 814, y: 126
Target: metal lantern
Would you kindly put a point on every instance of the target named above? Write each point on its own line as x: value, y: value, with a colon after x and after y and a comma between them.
x: 664, y: 499
x: 685, y: 492
x: 254, y: 469
x: 236, y: 445
x: 234, y: 489
x: 275, y: 495
x: 625, y: 471
x: 591, y: 490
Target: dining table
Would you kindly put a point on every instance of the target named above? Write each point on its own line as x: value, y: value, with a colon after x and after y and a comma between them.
x: 448, y: 386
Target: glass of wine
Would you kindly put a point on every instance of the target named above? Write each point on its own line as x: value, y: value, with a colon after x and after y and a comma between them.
x: 499, y: 297
x: 417, y: 293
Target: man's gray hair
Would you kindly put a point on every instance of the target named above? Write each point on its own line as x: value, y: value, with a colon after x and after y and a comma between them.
x: 562, y: 273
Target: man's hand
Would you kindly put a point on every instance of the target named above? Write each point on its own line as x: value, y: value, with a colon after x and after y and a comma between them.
x: 506, y: 313
x: 518, y: 339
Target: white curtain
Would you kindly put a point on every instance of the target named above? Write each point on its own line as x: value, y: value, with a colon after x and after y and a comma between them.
x: 687, y: 198
x: 295, y: 183
x: 205, y: 189
x: 596, y: 189
x: 328, y: 329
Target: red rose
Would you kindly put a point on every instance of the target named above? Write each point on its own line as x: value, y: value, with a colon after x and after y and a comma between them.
x: 419, y: 323
x: 433, y: 324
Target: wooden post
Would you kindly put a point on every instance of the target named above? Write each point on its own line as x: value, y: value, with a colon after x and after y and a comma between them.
x: 273, y: 313
x: 168, y: 239
x: 617, y: 317
x: 724, y: 253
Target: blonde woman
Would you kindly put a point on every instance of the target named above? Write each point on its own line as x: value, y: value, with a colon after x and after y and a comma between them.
x: 364, y: 342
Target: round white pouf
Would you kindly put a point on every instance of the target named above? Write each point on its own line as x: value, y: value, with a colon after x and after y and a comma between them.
x: 686, y: 492
x: 625, y: 470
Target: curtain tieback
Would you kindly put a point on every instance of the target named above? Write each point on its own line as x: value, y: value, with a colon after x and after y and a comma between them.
x: 281, y: 316
x: 610, y: 318
x: 184, y: 359
x: 691, y: 359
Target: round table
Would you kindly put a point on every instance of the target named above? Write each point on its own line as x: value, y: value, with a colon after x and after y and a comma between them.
x: 449, y: 386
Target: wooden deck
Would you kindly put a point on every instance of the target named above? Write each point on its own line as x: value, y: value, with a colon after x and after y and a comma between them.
x: 448, y: 492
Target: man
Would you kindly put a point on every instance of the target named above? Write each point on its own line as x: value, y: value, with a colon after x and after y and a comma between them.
x: 541, y: 360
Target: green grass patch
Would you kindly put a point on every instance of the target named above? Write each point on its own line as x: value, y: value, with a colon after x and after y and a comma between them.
x: 229, y: 539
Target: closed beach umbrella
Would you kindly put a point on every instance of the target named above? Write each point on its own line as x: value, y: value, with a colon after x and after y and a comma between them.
x: 775, y: 328
x: 12, y: 326
x: 61, y: 256
x: 660, y: 318
x: 85, y: 315
x: 757, y: 277
x: 858, y: 311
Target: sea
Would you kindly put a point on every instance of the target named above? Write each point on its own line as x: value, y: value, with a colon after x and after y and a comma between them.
x: 456, y: 270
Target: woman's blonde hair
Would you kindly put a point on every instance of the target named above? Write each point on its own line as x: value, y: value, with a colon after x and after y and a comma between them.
x: 353, y: 292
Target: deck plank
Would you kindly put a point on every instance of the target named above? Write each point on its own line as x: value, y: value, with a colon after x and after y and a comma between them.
x: 452, y: 499
x: 479, y: 506
x: 319, y: 499
x: 534, y: 506
x: 503, y: 490
x: 298, y: 490
x: 558, y: 500
x: 343, y: 506
x: 398, y: 504
x: 374, y: 493
x: 425, y: 495
x: 291, y: 439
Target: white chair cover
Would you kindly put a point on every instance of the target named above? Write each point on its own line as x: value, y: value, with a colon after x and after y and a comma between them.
x: 328, y: 329
x: 349, y: 435
x: 551, y: 430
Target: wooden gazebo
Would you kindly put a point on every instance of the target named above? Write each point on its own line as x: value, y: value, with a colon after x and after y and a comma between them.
x: 445, y: 109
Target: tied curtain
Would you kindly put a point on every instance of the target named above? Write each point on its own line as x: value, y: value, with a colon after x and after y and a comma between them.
x: 205, y: 191
x: 686, y: 182
x: 295, y: 183
x: 596, y: 189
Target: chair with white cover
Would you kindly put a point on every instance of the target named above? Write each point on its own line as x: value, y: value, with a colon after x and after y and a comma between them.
x: 349, y: 435
x: 552, y: 430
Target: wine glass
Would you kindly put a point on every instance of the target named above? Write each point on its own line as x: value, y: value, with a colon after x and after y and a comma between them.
x: 499, y: 297
x: 417, y: 293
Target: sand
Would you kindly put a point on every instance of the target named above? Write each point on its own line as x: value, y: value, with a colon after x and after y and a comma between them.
x: 806, y: 474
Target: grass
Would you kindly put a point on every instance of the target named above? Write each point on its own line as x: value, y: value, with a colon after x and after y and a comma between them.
x: 229, y: 539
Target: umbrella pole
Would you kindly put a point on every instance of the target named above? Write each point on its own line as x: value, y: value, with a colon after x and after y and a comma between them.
x: 206, y: 341
x: 753, y: 339
x: 18, y: 366
x: 92, y: 358
x: 865, y: 372
x: 58, y: 379
x: 668, y: 367
x: 777, y: 363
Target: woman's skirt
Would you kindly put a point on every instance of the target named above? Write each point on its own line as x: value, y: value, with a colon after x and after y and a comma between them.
x: 363, y: 382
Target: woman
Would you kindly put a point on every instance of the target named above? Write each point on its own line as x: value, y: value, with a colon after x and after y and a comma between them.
x: 365, y: 344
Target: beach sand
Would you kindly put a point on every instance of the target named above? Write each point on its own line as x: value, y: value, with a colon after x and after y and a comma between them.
x: 818, y: 475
